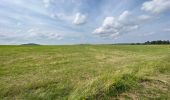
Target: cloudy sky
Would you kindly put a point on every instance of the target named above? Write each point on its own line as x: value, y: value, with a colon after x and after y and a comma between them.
x: 83, y: 21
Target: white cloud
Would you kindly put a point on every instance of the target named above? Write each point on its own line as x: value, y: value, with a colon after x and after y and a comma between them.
x: 46, y: 3
x: 80, y: 19
x: 144, y: 17
x: 36, y: 33
x: 53, y: 36
x: 108, y: 21
x: 113, y: 27
x: 62, y: 16
x: 124, y: 16
x: 133, y: 27
x: 156, y: 6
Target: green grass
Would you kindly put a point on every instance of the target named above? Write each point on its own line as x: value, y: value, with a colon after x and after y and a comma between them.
x: 80, y: 72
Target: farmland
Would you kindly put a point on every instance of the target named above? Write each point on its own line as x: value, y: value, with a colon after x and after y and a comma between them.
x: 93, y: 72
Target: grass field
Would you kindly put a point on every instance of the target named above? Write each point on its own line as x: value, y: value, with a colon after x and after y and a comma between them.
x: 80, y: 72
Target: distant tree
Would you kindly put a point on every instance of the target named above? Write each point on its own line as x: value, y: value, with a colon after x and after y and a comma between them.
x: 31, y: 44
x: 158, y: 42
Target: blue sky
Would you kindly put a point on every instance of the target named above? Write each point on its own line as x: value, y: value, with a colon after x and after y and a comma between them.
x: 83, y: 21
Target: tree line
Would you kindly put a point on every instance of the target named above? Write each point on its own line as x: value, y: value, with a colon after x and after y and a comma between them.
x: 153, y: 42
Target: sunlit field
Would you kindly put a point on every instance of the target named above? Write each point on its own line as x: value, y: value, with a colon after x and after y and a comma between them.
x: 80, y: 72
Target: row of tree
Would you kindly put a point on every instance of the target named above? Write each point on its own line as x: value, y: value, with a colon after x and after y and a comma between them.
x: 153, y: 42
x: 158, y: 42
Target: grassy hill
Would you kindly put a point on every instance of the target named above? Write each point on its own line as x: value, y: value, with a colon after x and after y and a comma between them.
x: 92, y: 72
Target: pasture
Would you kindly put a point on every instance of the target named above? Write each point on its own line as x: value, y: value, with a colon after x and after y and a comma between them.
x: 85, y: 72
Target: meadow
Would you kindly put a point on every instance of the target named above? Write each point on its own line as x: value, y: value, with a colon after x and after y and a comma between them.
x: 85, y: 72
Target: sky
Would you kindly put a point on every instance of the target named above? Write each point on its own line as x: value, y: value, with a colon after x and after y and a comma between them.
x: 83, y: 21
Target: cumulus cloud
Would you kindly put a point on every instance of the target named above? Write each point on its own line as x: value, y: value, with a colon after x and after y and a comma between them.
x: 124, y: 16
x: 80, y: 19
x: 156, y: 6
x: 115, y: 26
